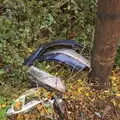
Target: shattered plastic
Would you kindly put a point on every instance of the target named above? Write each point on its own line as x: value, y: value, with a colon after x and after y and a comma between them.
x: 25, y: 107
x: 45, y: 80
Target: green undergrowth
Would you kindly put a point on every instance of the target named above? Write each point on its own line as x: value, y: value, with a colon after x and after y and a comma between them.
x: 25, y: 25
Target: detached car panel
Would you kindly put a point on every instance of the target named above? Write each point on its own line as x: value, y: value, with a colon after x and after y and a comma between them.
x: 66, y: 56
x: 43, y: 48
x: 61, y: 58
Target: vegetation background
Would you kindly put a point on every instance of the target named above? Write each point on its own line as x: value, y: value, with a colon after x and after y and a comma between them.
x: 25, y: 24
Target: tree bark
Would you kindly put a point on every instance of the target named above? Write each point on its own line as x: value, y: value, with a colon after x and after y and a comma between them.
x: 107, y: 35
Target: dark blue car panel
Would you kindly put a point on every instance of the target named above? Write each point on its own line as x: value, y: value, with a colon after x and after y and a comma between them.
x: 64, y: 43
x: 72, y: 54
x: 29, y: 61
x: 62, y: 58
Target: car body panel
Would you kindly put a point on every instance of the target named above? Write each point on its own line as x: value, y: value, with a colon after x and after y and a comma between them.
x: 43, y: 48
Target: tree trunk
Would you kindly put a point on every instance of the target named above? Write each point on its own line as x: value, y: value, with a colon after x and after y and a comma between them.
x: 106, y: 36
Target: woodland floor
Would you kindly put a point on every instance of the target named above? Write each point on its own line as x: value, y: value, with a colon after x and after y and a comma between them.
x: 83, y: 103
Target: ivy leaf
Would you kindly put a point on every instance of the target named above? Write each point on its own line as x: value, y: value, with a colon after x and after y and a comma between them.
x: 2, y: 71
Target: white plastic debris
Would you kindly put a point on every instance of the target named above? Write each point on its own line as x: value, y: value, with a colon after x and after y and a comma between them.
x: 25, y: 108
x: 44, y: 79
x: 22, y: 99
x: 98, y: 114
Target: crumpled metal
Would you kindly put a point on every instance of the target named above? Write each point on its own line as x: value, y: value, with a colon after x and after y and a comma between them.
x: 43, y: 48
x: 67, y: 56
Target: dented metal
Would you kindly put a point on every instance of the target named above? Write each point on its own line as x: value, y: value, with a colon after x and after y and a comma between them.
x: 62, y: 43
x: 66, y: 56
